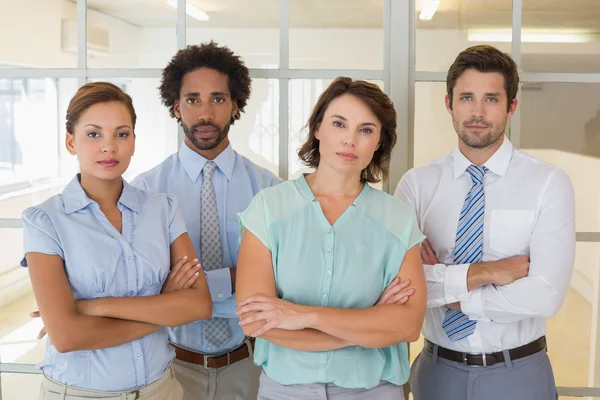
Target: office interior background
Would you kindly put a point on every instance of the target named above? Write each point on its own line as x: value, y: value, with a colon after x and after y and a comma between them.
x: 294, y: 48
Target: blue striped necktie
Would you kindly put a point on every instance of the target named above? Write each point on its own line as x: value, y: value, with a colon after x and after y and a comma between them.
x: 468, y: 249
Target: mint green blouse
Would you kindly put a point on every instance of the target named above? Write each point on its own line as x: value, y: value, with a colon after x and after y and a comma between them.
x: 344, y: 265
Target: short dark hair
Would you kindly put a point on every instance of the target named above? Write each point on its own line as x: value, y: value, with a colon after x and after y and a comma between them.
x: 485, y: 58
x: 207, y: 55
x: 379, y: 103
x: 94, y: 93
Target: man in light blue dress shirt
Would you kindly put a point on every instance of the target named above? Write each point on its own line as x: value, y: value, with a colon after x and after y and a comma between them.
x: 206, y: 88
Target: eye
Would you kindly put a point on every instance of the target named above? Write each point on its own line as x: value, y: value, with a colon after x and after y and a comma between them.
x: 338, y: 124
x: 367, y: 130
x: 123, y: 134
x: 93, y: 134
x: 191, y: 100
x: 467, y: 98
x: 219, y: 100
x: 492, y: 99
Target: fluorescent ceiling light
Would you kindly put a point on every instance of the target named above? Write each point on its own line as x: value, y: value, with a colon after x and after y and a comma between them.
x: 531, y: 36
x: 191, y: 10
x: 428, y: 9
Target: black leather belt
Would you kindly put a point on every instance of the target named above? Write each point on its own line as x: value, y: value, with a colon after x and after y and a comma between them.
x: 485, y: 360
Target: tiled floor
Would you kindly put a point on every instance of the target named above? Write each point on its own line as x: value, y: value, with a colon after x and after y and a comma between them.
x: 568, y: 337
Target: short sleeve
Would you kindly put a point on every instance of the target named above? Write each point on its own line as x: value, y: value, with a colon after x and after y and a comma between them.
x: 415, y: 236
x: 254, y: 218
x: 39, y: 234
x: 176, y: 223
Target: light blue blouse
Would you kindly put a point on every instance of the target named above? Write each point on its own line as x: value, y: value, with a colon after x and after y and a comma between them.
x: 347, y: 265
x: 101, y: 262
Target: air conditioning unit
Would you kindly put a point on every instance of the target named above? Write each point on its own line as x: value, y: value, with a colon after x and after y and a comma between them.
x: 97, y: 38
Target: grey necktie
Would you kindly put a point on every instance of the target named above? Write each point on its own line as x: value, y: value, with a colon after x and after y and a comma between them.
x: 216, y: 330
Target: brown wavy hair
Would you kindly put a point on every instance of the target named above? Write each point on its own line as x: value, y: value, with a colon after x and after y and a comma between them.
x: 94, y: 93
x: 379, y: 103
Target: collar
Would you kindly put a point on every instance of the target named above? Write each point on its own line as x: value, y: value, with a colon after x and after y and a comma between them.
x: 497, y: 163
x: 193, y: 163
x: 75, y: 198
x: 305, y: 190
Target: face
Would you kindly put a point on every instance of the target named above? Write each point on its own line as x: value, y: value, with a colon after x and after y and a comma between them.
x: 479, y: 112
x: 103, y: 140
x: 205, y: 108
x: 349, y: 135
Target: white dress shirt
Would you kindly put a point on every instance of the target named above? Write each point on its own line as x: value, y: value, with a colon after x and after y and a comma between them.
x: 529, y: 210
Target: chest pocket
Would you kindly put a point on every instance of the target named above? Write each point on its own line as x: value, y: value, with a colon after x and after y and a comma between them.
x: 511, y: 231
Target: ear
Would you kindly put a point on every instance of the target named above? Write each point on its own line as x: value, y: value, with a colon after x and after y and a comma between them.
x: 176, y: 109
x: 234, y: 108
x: 448, y: 104
x: 317, y: 134
x: 70, y: 143
x: 513, y: 108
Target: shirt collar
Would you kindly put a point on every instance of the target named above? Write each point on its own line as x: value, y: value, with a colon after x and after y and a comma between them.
x: 498, y: 162
x: 75, y: 198
x: 193, y: 163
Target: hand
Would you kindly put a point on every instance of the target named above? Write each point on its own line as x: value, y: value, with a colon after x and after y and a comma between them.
x: 36, y: 314
x: 396, y: 293
x: 183, y: 275
x: 274, y: 312
x: 427, y: 254
x: 509, y: 270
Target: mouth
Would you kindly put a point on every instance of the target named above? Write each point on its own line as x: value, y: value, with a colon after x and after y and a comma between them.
x: 347, y: 156
x: 205, y: 132
x: 108, y: 163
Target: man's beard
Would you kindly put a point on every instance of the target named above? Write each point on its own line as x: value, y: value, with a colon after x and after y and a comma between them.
x: 205, y: 144
x: 483, y: 140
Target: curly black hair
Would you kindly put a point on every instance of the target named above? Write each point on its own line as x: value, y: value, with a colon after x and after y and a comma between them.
x: 208, y: 55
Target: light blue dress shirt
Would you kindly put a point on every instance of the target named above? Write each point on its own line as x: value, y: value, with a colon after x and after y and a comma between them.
x: 101, y: 262
x: 236, y: 181
x: 344, y: 265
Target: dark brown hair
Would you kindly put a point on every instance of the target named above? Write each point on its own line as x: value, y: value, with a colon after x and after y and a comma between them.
x: 379, y: 103
x: 207, y: 55
x: 94, y: 93
x: 485, y: 58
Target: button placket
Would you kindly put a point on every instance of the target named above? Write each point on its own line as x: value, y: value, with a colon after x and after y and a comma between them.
x: 328, y: 269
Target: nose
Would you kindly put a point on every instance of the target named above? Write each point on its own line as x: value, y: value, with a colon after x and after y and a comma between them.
x: 109, y: 145
x: 350, y: 139
x: 478, y: 109
x: 206, y: 111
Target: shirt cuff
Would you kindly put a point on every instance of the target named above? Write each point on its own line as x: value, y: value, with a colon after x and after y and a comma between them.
x: 219, y: 284
x: 455, y: 283
x: 473, y: 306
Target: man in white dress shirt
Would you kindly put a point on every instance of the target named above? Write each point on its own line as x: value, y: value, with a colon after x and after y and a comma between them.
x: 501, y: 241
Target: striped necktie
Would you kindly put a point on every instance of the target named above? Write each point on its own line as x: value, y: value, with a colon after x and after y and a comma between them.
x: 468, y: 249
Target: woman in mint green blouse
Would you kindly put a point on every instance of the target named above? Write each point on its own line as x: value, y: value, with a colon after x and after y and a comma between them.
x: 318, y: 253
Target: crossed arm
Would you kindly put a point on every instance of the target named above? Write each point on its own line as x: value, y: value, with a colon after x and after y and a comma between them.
x: 111, y: 321
x: 394, y: 319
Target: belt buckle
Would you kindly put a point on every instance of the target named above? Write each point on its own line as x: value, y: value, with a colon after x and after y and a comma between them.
x: 206, y: 358
x: 464, y: 357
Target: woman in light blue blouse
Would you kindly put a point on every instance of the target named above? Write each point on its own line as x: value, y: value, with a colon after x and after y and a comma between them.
x: 318, y: 253
x: 99, y: 257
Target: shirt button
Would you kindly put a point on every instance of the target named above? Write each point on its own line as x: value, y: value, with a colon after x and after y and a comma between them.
x: 138, y: 357
x: 329, y: 250
x: 130, y: 259
x: 329, y: 272
x: 330, y: 230
x: 131, y: 292
x: 325, y: 295
x: 220, y: 295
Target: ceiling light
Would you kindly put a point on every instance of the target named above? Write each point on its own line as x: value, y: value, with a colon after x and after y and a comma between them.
x: 191, y: 10
x: 428, y: 9
x: 531, y: 36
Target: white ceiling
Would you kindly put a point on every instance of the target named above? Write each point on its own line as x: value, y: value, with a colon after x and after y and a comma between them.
x: 451, y: 14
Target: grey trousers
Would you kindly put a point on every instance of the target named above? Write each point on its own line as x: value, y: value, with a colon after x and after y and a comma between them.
x: 238, y: 381
x: 271, y: 390
x: 528, y: 378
